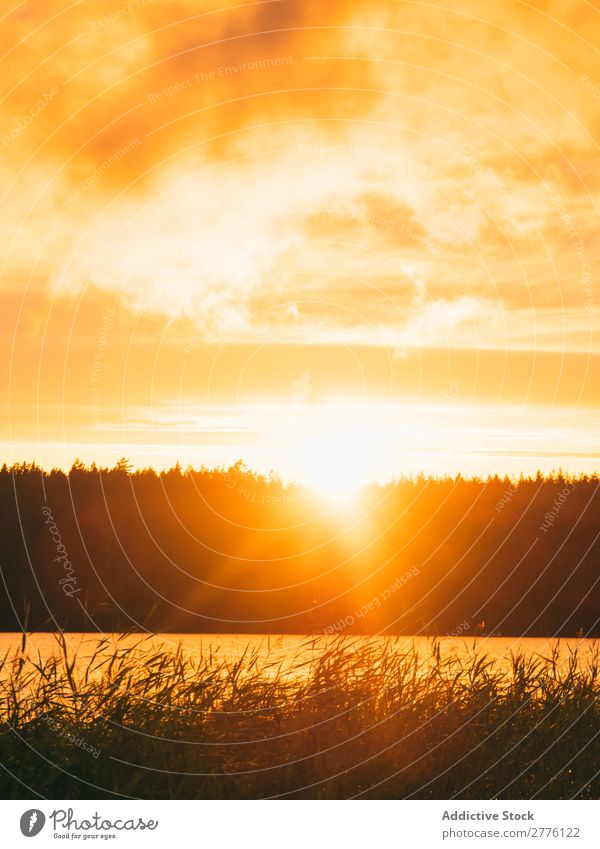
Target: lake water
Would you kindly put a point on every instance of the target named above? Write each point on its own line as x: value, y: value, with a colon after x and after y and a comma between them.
x: 288, y: 650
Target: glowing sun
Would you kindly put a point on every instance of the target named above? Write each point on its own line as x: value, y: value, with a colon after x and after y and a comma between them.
x: 336, y: 461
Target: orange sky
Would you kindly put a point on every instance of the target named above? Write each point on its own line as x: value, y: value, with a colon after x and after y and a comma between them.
x: 226, y: 231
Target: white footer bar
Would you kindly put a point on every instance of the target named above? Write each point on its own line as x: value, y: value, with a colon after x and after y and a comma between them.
x: 301, y: 824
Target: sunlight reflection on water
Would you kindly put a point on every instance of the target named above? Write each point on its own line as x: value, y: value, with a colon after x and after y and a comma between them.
x: 286, y: 652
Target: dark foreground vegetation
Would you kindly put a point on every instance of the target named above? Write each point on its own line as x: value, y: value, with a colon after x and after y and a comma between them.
x: 229, y: 551
x: 357, y: 718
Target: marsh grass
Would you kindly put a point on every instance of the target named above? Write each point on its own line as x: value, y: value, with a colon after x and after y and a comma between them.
x: 350, y: 717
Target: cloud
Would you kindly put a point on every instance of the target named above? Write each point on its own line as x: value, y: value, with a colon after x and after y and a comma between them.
x: 279, y: 166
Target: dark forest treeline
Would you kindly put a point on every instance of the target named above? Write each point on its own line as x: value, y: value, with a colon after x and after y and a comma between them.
x: 230, y: 551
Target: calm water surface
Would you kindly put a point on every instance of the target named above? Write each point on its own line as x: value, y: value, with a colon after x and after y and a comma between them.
x: 291, y: 649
